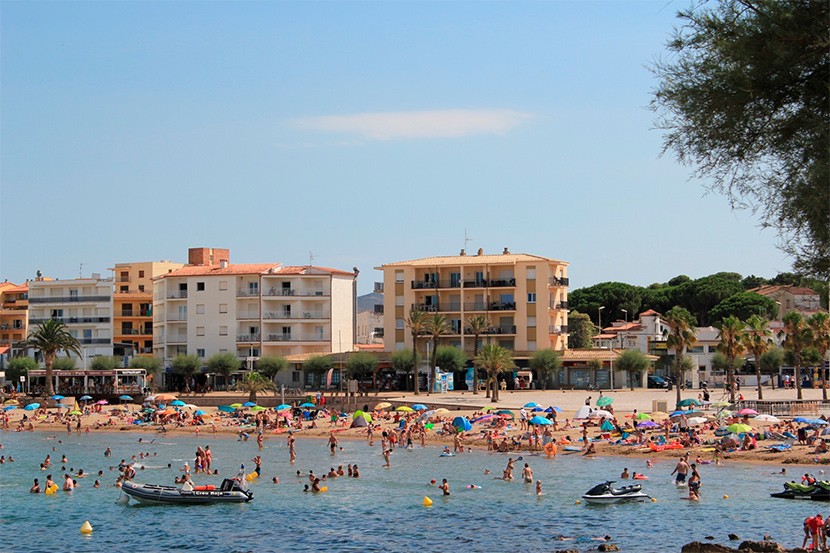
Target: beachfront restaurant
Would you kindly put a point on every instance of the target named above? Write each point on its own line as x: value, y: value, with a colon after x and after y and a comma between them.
x: 79, y: 382
x: 597, y: 368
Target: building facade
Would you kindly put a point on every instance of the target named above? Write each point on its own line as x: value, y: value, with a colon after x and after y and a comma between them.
x: 524, y: 297
x: 83, y: 304
x: 133, y: 305
x: 14, y: 316
x: 253, y: 310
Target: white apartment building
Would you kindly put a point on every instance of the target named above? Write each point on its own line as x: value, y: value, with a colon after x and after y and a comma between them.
x: 253, y: 310
x: 83, y: 304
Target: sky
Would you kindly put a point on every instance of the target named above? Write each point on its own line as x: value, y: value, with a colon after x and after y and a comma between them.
x: 350, y: 134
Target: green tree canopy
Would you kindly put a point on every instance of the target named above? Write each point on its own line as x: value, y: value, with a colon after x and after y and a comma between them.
x: 49, y: 338
x: 254, y: 383
x: 318, y: 365
x: 614, y: 296
x: 402, y: 361
x: 186, y: 365
x: 361, y: 364
x: 494, y: 359
x: 580, y: 330
x: 224, y: 363
x: 633, y: 361
x: 771, y: 362
x: 743, y: 98
x: 743, y: 305
x: 104, y: 363
x: 450, y: 359
x: 69, y: 364
x: 547, y: 363
x: 152, y: 366
x: 19, y: 366
x: 270, y: 365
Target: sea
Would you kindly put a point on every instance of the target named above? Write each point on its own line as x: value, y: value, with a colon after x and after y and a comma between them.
x: 383, y: 510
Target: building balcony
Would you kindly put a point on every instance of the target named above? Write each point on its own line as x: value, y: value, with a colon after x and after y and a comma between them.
x: 247, y: 293
x: 558, y: 281
x: 276, y: 292
x: 556, y: 329
x: 70, y: 299
x: 177, y: 295
x: 180, y: 339
x: 136, y: 313
x: 71, y: 320
x: 286, y: 316
x: 559, y: 305
x: 247, y: 338
x: 297, y: 337
x: 433, y: 284
x: 490, y: 283
x: 247, y: 316
x: 94, y: 341
x: 137, y: 331
x: 176, y: 319
x: 500, y: 330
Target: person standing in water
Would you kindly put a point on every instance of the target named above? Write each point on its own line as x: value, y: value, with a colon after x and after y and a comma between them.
x: 292, y: 452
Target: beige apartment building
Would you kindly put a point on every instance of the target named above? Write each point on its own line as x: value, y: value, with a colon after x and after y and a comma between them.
x: 132, y: 305
x: 14, y: 316
x: 212, y: 305
x: 524, y: 296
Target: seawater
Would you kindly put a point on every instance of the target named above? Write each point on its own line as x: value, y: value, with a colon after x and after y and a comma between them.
x: 382, y: 510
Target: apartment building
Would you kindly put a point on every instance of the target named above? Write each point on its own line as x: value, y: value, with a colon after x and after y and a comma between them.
x: 14, y: 316
x: 791, y: 298
x: 133, y: 305
x: 212, y: 305
x: 524, y: 297
x: 83, y: 304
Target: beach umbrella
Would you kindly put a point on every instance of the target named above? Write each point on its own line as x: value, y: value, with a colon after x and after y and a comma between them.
x: 125, y: 398
x: 531, y: 404
x: 62, y: 406
x: 724, y: 414
x: 721, y: 404
x: 599, y: 413
x: 816, y: 422
x: 164, y: 397
x: 658, y: 415
x: 306, y: 405
x: 489, y: 408
x: 282, y: 407
x: 553, y: 409
x: 405, y: 409
x: 85, y: 398
x: 583, y: 412
x: 75, y: 413
x: 258, y: 408
x: 190, y: 406
x: 9, y: 407
x: 10, y: 401
x: 605, y: 401
x: 236, y: 405
x: 177, y: 403
x: 647, y: 424
x: 32, y: 406
x: 58, y: 397
x: 253, y: 404
x: 199, y: 413
x: 227, y: 408
x: 442, y: 411
x: 607, y: 426
x: 484, y: 418
x: 461, y: 423
x: 537, y: 410
x: 739, y: 428
x: 148, y: 410
x: 687, y: 402
x: 680, y: 412
x: 420, y: 407
x: 383, y: 405
x: 505, y: 414
x: 767, y: 418
x: 643, y: 417
x: 102, y: 402
x: 694, y: 421
x: 747, y: 411
x: 542, y: 421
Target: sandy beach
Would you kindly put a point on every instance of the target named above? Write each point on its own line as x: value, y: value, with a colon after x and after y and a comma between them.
x: 121, y: 418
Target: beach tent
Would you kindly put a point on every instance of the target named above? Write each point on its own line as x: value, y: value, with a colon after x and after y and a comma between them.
x: 461, y: 423
x: 359, y: 421
x: 584, y: 412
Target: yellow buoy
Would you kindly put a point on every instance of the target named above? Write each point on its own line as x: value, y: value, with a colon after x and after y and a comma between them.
x: 86, y: 527
x: 653, y: 500
x: 726, y: 497
x: 427, y: 502
x: 578, y: 502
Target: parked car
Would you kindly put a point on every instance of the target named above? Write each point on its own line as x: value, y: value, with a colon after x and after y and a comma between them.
x: 655, y: 381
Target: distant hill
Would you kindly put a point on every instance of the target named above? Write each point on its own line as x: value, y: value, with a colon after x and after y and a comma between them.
x: 368, y: 302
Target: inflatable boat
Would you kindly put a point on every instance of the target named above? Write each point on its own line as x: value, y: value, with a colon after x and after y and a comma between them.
x: 231, y: 491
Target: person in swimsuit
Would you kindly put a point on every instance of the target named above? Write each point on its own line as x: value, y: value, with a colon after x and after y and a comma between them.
x: 445, y: 487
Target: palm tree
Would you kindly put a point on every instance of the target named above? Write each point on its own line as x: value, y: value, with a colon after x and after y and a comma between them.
x: 477, y: 325
x: 756, y: 338
x: 254, y: 383
x: 681, y: 335
x: 437, y: 326
x: 417, y: 323
x: 633, y: 361
x: 731, y: 330
x: 546, y: 362
x: 49, y: 338
x: 494, y: 359
x: 819, y: 324
x: 796, y: 340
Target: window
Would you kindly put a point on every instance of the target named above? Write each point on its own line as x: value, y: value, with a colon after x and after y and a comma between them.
x: 531, y: 297
x: 295, y: 376
x: 87, y: 334
x: 531, y: 273
x: 223, y: 284
x: 531, y: 322
x: 223, y: 331
x: 223, y: 307
x: 200, y: 286
x: 124, y: 289
x: 140, y: 274
x: 399, y: 324
x: 200, y: 331
x: 140, y: 287
x: 531, y: 345
x: 398, y: 276
x: 125, y: 276
x: 200, y: 353
x: 399, y: 301
x: 200, y: 309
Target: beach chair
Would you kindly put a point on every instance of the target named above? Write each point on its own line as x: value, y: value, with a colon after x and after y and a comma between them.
x: 782, y: 446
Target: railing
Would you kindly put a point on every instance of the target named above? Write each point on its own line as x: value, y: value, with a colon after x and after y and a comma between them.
x: 553, y: 329
x: 498, y: 306
x: 278, y: 292
x: 502, y: 283
x: 244, y: 316
x: 94, y: 341
x: 422, y: 285
x: 562, y: 305
x: 500, y: 330
x: 475, y: 306
x: 176, y: 318
x: 180, y: 339
x: 297, y: 338
x: 247, y: 338
x: 424, y: 307
x: 136, y: 332
x: 247, y: 293
x: 177, y: 295
x: 558, y: 281
x: 69, y: 299
x: 791, y: 408
x: 287, y: 315
x: 71, y: 320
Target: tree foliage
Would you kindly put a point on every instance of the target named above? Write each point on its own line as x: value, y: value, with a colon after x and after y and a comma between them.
x: 580, y: 330
x: 104, y: 363
x: 633, y: 361
x: 681, y: 336
x: 253, y: 384
x: 743, y: 98
x: 49, y: 338
x: 224, y: 363
x: 450, y: 359
x: 151, y: 365
x: 186, y: 365
x: 494, y: 359
x: 771, y: 362
x: 270, y: 365
x: 317, y: 365
x: 744, y: 305
x: 361, y: 364
x: 19, y: 366
x: 547, y: 363
x: 69, y: 364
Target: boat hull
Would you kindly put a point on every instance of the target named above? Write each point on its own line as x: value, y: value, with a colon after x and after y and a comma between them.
x: 608, y: 499
x: 152, y: 494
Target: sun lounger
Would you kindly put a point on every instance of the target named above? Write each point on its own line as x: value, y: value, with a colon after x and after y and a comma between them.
x: 782, y: 446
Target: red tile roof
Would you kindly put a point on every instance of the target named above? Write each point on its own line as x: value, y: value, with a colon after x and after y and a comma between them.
x: 649, y: 313
x: 310, y: 269
x: 794, y: 290
x: 231, y: 269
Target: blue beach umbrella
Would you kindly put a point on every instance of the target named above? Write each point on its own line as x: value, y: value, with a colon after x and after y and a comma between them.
x: 540, y: 421
x: 282, y: 407
x: 177, y: 403
x: 199, y: 413
x: 420, y: 407
x: 226, y: 409
x: 531, y: 404
x: 32, y: 406
x: 537, y: 410
x: 249, y: 404
x: 607, y: 426
x: 125, y: 398
x: 461, y: 423
x: 307, y: 405
x: 553, y: 409
x: 9, y: 407
x: 62, y: 406
x: 85, y: 398
x: 58, y: 397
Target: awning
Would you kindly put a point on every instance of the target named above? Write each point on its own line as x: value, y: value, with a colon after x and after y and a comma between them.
x: 4, y: 349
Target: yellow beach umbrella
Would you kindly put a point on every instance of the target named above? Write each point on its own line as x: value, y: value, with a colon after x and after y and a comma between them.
x: 405, y: 409
x: 441, y: 411
x: 659, y: 415
x: 383, y: 405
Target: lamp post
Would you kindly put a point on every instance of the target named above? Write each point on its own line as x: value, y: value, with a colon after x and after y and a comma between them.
x: 626, y: 314
x: 599, y: 318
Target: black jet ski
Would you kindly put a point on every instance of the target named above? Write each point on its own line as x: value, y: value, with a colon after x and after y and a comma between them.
x: 605, y: 493
x: 819, y: 491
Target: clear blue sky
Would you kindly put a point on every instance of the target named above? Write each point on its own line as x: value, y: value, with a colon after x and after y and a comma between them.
x: 364, y: 132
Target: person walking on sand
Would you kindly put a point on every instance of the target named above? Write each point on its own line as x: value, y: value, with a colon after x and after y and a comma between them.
x: 292, y: 452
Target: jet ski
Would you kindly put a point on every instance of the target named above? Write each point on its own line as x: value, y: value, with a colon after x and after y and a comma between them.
x: 605, y: 493
x: 820, y: 491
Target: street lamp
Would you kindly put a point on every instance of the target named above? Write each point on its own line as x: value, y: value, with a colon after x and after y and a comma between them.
x: 599, y: 318
x: 626, y: 314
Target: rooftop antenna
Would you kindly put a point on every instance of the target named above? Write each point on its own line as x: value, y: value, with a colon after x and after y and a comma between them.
x: 311, y: 258
x: 466, y: 238
x: 81, y: 271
